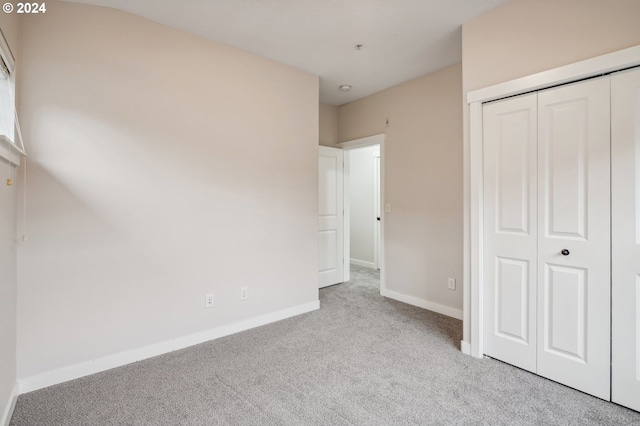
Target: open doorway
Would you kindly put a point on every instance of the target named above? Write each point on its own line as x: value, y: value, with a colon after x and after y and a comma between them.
x: 363, y: 193
x: 364, y: 221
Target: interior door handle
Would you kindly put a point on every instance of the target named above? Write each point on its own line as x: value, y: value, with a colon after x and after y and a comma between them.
x: 378, y: 218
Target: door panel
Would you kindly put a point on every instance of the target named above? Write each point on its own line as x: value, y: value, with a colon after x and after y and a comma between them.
x: 625, y: 150
x: 331, y: 216
x: 565, y: 173
x: 565, y: 314
x: 513, y: 174
x: 512, y: 299
x: 574, y: 215
x: 328, y: 242
x: 510, y: 237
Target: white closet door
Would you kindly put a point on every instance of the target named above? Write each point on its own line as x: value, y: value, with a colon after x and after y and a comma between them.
x: 574, y: 290
x: 510, y: 236
x: 625, y: 160
x: 330, y: 216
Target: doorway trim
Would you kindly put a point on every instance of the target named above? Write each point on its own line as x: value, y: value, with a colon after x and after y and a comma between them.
x: 353, y: 144
x: 473, y: 201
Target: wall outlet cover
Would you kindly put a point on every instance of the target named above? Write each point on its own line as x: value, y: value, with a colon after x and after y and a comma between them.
x: 452, y: 284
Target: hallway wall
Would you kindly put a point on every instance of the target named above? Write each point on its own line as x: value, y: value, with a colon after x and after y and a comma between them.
x: 422, y: 123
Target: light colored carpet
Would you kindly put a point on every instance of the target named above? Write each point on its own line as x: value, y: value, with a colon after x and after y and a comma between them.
x: 360, y: 360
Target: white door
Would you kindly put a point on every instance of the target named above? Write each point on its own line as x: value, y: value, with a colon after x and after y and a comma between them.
x: 510, y: 141
x: 574, y: 236
x: 625, y: 184
x: 546, y: 261
x: 331, y: 216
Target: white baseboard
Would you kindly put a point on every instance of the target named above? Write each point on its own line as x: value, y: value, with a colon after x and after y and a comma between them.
x: 424, y: 304
x: 465, y: 347
x: 76, y: 371
x: 363, y: 263
x: 7, y: 413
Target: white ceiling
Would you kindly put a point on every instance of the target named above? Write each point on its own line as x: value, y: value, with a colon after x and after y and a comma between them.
x: 402, y: 39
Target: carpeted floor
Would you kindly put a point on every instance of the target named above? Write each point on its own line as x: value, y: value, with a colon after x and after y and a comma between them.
x: 360, y: 360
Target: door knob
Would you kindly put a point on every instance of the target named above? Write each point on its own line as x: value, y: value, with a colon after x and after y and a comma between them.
x: 565, y: 252
x: 378, y: 218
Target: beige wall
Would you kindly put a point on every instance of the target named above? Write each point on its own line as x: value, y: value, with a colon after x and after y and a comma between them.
x: 524, y: 37
x: 8, y: 273
x: 162, y: 167
x: 328, y: 126
x: 423, y: 166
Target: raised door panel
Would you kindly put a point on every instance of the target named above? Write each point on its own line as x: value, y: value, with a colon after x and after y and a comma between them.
x: 330, y: 216
x: 327, y: 241
x: 564, y: 168
x: 565, y: 320
x: 574, y: 219
x: 328, y: 182
x: 511, y: 319
x: 625, y: 209
x: 510, y: 230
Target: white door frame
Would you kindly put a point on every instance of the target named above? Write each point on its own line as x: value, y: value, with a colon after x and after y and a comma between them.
x: 353, y: 144
x: 473, y: 202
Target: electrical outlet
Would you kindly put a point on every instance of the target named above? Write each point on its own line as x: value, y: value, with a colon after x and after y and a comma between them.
x: 208, y: 301
x: 244, y: 293
x: 452, y: 284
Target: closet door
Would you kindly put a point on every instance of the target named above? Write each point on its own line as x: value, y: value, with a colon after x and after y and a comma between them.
x: 574, y: 236
x: 510, y: 230
x: 625, y: 161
